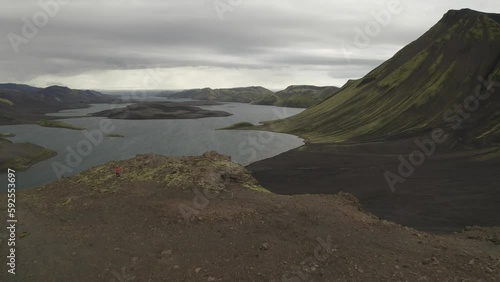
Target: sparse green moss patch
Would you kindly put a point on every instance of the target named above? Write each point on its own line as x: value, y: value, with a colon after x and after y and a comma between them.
x: 257, y: 188
x: 403, y: 73
x: 24, y: 234
x: 6, y: 101
x: 211, y: 171
x: 437, y: 63
x: 476, y: 31
x: 6, y: 135
x: 67, y: 202
x: 20, y: 156
x: 453, y: 30
x: 493, y: 27
x: 434, y: 87
x: 58, y: 124
x: 239, y: 125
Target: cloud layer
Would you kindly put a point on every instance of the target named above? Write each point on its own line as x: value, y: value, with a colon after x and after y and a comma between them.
x: 179, y: 44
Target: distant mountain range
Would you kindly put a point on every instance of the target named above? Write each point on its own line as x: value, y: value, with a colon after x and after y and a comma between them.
x: 299, y: 96
x: 24, y: 104
x: 20, y: 103
x: 449, y: 78
x: 239, y: 95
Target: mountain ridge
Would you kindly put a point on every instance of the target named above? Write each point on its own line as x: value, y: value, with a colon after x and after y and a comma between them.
x: 297, y: 96
x: 239, y: 94
x: 412, y: 92
x: 20, y: 103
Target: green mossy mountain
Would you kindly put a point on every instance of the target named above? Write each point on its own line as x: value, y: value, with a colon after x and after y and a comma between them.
x: 418, y: 89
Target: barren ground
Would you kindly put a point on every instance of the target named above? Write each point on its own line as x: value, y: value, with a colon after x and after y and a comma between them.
x: 131, y: 228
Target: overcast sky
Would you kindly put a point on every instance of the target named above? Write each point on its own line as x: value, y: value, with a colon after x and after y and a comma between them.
x: 179, y: 44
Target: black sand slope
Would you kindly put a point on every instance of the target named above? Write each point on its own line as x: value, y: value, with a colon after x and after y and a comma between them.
x: 446, y: 193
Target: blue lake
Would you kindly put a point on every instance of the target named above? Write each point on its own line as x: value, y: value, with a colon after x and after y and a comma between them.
x: 165, y: 137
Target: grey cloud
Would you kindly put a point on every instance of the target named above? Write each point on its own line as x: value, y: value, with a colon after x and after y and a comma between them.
x: 92, y: 36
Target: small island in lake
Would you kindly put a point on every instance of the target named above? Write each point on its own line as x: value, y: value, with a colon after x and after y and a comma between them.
x: 163, y: 110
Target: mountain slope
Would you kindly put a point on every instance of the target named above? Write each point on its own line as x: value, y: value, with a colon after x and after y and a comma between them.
x: 20, y: 87
x: 419, y: 89
x: 26, y: 95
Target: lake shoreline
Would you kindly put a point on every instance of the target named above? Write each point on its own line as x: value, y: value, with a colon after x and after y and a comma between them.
x: 169, y: 137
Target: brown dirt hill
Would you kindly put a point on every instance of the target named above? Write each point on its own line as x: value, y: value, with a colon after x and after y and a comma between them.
x: 206, y: 219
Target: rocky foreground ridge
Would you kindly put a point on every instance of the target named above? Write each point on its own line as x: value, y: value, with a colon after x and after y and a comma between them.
x: 207, y: 219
